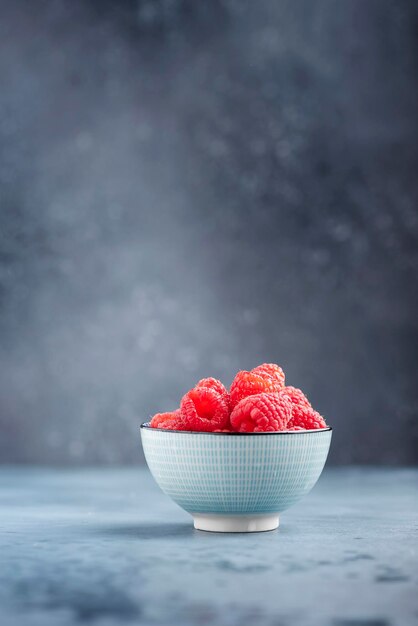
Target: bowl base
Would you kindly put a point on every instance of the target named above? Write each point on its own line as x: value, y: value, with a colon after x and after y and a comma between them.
x: 235, y: 523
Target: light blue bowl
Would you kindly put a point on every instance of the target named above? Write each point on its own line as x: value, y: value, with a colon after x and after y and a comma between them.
x: 235, y: 482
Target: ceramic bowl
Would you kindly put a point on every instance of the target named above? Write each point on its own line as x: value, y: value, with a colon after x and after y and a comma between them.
x: 235, y: 482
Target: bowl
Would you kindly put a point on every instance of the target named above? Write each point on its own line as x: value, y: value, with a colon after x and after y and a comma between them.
x: 235, y: 482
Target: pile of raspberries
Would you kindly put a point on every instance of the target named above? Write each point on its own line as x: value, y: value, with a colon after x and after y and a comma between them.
x: 258, y: 401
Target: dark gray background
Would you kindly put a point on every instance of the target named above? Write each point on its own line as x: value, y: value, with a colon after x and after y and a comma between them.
x: 190, y: 188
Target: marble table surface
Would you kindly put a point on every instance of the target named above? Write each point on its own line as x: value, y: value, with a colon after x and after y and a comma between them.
x: 106, y: 547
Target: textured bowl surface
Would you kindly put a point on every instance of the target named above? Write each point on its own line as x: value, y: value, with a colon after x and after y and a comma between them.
x: 238, y: 474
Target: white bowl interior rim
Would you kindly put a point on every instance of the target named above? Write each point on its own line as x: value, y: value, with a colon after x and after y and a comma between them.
x: 146, y: 426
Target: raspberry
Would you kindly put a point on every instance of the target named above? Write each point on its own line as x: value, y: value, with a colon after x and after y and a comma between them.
x: 248, y: 384
x: 299, y: 402
x: 262, y: 412
x: 170, y: 421
x: 306, y: 418
x: 203, y: 409
x: 271, y: 370
x: 297, y: 397
x: 216, y: 385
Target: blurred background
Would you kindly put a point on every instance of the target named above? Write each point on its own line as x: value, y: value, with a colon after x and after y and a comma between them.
x: 192, y: 188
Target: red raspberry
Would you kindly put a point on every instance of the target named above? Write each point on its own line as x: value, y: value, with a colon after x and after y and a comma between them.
x: 170, y: 421
x: 297, y: 397
x: 299, y: 402
x: 216, y: 385
x: 271, y: 370
x: 262, y: 412
x: 248, y: 384
x: 203, y: 409
x: 306, y: 418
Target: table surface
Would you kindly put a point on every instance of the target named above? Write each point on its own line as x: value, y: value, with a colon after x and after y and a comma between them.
x: 107, y: 547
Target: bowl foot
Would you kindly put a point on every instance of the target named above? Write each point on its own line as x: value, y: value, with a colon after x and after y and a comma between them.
x: 235, y: 523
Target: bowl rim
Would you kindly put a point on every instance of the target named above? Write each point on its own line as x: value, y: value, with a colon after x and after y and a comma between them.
x: 146, y: 426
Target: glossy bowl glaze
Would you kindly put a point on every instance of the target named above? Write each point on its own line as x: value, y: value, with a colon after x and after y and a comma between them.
x: 235, y: 482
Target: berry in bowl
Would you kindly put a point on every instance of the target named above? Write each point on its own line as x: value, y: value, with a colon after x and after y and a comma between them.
x: 236, y: 459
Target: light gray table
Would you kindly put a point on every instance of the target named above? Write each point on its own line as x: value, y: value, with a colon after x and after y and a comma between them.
x: 106, y: 547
